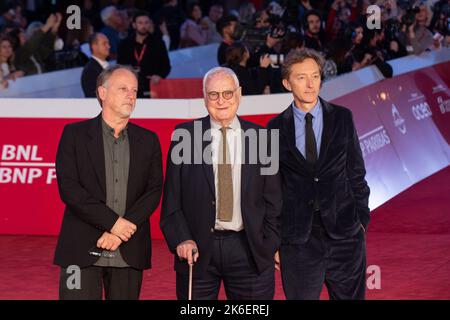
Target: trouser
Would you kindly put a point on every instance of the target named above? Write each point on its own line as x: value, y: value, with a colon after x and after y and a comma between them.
x: 118, y: 284
x: 339, y: 264
x: 233, y: 264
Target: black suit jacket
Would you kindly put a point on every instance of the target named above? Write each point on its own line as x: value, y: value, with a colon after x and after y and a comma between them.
x: 89, y: 76
x: 337, y: 179
x: 80, y: 171
x: 189, y: 208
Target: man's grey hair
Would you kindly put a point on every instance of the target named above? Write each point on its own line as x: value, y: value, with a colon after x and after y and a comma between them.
x: 103, y: 77
x: 106, y: 13
x: 219, y: 70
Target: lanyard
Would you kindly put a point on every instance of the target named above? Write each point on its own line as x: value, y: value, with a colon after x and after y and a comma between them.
x: 140, y: 56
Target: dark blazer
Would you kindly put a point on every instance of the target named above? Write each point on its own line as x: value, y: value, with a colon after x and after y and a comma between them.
x: 80, y: 171
x: 89, y: 76
x: 189, y: 205
x: 337, y: 179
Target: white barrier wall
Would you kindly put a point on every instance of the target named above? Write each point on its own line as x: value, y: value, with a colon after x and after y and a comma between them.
x: 194, y: 62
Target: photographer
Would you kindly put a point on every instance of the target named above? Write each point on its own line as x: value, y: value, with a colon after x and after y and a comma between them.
x: 269, y: 34
x: 374, y: 52
x: 347, y: 48
x: 414, y: 33
x: 393, y: 46
x: 252, y: 80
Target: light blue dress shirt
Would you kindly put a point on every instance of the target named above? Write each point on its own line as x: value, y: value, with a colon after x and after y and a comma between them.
x: 317, y: 123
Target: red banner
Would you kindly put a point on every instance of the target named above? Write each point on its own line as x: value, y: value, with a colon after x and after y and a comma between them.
x: 403, y: 126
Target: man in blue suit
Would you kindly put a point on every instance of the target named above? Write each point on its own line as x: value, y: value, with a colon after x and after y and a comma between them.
x: 325, y: 196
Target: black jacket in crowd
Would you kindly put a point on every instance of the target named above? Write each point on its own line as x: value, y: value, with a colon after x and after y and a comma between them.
x: 89, y: 76
x: 252, y: 80
x: 155, y: 60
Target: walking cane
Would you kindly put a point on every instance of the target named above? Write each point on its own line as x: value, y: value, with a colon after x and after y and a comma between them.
x: 191, y: 266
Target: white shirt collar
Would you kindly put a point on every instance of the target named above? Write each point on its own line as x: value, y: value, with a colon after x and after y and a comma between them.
x: 103, y: 63
x: 235, y: 124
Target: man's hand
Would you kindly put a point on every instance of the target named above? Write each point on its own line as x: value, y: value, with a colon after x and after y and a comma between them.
x: 188, y: 250
x: 4, y: 84
x: 264, y: 61
x: 57, y: 22
x: 51, y: 20
x: 124, y: 229
x: 109, y: 242
x: 394, y: 46
x: 367, y: 60
x: 307, y: 4
x: 155, y: 79
x: 277, y: 260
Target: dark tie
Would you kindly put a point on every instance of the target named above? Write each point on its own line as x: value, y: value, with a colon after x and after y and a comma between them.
x: 311, y: 150
x: 310, y: 139
x: 225, y: 180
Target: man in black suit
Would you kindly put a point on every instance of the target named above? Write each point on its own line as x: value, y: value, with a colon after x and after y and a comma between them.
x: 99, y: 45
x: 109, y: 176
x: 146, y: 53
x: 221, y: 209
x: 325, y: 196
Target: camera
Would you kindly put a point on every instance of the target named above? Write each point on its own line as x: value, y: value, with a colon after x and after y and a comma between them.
x: 276, y: 60
x: 410, y: 15
x: 392, y: 29
x: 254, y: 37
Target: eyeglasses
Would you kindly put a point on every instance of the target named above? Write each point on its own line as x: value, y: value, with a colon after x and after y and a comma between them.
x: 227, y: 94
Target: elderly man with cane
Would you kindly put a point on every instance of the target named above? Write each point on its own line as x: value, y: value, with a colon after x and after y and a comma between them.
x: 219, y: 212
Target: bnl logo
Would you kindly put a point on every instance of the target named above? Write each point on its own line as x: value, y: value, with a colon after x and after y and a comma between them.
x: 22, y: 164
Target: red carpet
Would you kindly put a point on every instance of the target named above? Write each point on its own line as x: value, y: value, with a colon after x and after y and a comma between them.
x: 408, y: 238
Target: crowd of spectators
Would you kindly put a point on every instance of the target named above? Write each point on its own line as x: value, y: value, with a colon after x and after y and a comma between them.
x: 253, y: 36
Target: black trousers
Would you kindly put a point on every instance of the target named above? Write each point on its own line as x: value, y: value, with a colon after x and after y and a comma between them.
x: 118, y: 284
x: 233, y: 264
x: 339, y: 264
